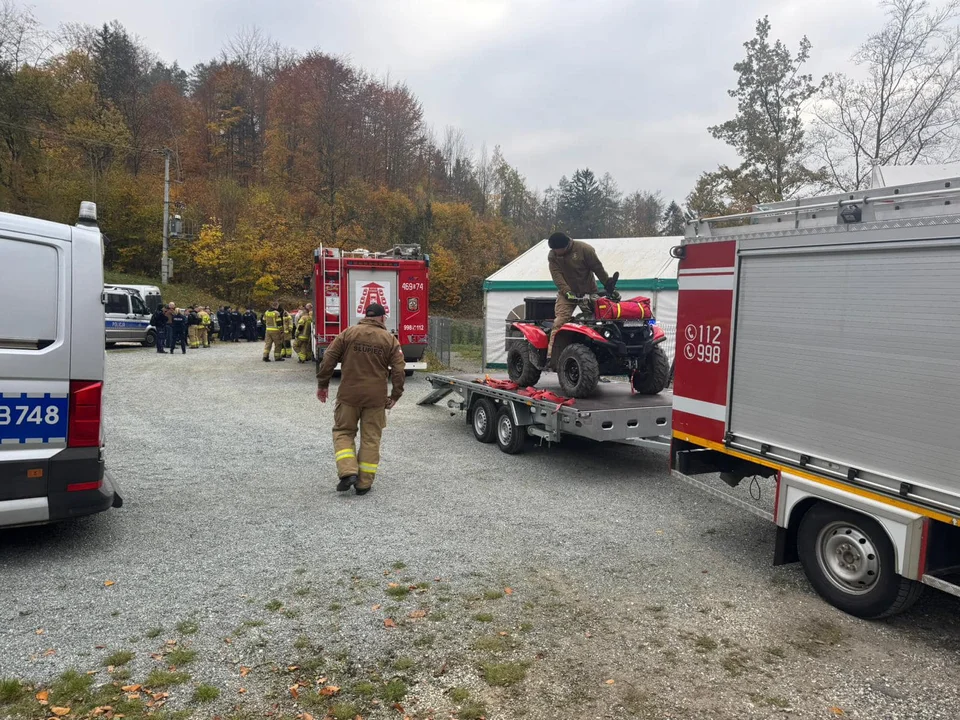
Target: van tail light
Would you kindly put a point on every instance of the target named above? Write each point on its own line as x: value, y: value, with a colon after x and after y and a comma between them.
x: 83, y: 427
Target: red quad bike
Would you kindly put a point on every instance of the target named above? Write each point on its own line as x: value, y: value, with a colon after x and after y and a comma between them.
x: 608, y: 338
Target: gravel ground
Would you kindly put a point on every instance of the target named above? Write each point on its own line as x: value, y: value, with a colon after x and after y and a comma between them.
x: 579, y: 582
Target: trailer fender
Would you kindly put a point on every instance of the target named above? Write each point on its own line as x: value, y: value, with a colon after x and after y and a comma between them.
x: 533, y: 334
x: 905, y: 529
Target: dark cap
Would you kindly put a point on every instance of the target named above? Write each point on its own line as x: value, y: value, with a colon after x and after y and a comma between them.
x: 558, y: 241
x: 375, y: 310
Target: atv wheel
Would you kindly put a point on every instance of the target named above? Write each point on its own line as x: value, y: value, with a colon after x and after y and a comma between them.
x: 578, y: 370
x: 655, y: 374
x: 520, y: 365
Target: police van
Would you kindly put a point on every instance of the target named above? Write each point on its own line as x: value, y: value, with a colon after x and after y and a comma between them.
x: 126, y: 317
x: 150, y: 294
x: 51, y: 370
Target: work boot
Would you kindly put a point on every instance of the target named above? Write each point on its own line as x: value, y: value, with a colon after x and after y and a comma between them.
x: 280, y: 359
x: 346, y: 482
x: 266, y: 359
x: 362, y: 491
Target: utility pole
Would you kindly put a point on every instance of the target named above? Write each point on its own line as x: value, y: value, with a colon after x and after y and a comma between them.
x: 165, y: 258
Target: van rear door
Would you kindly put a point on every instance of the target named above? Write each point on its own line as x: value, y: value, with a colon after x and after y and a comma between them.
x: 35, y: 287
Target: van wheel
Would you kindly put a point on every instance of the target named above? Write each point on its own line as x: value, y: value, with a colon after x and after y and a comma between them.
x: 849, y: 560
x: 483, y: 420
x: 510, y: 436
x: 150, y: 340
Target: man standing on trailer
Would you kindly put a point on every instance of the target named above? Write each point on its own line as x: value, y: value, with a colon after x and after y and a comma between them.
x: 573, y: 265
x: 368, y: 353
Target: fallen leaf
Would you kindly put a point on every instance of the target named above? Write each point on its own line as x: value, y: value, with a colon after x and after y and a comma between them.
x: 242, y: 690
x: 376, y: 607
x: 171, y: 642
x: 40, y: 631
x: 393, y: 585
x: 294, y: 691
x: 91, y: 672
x: 133, y: 696
x: 329, y: 690
x: 244, y: 671
x: 398, y: 707
x: 99, y: 647
x: 156, y: 656
x: 503, y: 634
x: 228, y: 641
x: 160, y: 696
x: 508, y: 591
x: 108, y: 583
x: 411, y: 587
x: 611, y: 681
x: 418, y: 614
x: 305, y: 716
x: 321, y: 680
x: 60, y: 711
x: 588, y: 634
x: 837, y: 711
x: 131, y: 688
x: 389, y: 623
x: 293, y: 668
x: 43, y: 697
x: 110, y: 669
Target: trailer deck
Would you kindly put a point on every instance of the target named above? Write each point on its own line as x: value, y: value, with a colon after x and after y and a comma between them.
x: 614, y: 414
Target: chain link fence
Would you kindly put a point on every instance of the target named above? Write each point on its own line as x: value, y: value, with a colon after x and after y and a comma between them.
x: 440, y: 339
x: 450, y: 337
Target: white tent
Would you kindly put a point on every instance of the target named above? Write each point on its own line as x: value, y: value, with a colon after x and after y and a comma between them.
x: 894, y: 175
x: 645, y: 268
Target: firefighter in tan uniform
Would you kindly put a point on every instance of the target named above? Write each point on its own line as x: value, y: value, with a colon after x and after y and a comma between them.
x: 273, y: 335
x: 572, y: 267
x: 287, y: 350
x: 368, y: 354
x: 303, y: 345
x: 203, y: 330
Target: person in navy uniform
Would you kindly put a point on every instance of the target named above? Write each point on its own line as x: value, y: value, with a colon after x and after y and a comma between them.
x: 250, y: 323
x: 179, y: 323
x: 235, y: 321
x: 222, y: 321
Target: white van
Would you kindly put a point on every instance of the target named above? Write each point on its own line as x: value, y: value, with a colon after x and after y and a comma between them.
x: 126, y: 317
x: 150, y: 294
x: 51, y: 370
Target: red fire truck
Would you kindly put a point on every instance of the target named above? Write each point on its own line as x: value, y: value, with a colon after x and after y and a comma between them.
x: 346, y: 282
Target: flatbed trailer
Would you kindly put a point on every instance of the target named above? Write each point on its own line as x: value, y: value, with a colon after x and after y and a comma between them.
x: 614, y: 414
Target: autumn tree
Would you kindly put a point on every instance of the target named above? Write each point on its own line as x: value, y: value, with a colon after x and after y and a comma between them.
x: 768, y: 131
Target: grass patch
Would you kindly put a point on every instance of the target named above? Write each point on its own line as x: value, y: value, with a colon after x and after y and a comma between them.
x: 344, y: 711
x: 494, y: 643
x: 459, y: 694
x: 164, y: 678
x: 121, y: 674
x: 473, y: 353
x: 400, y: 592
x: 154, y: 633
x: 399, y: 565
x: 273, y: 605
x: 403, y: 663
x: 394, y: 691
x: 302, y: 643
x: 735, y: 664
x: 504, y: 674
x: 472, y: 710
x: 291, y: 613
x: 492, y: 594
x: 818, y: 635
x: 252, y: 623
x: 181, y: 656
x: 334, y: 607
x: 120, y: 657
x: 771, y: 701
x: 187, y: 627
x: 12, y: 691
x: 205, y: 693
x: 71, y: 687
x: 425, y: 640
x: 302, y: 592
x: 705, y: 643
x: 483, y: 617
x: 526, y: 627
x: 777, y: 651
x: 364, y: 689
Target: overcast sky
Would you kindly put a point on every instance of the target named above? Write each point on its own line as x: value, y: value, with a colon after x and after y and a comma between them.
x: 620, y: 86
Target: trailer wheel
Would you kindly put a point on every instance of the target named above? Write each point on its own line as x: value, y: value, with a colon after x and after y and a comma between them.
x: 578, y: 370
x: 849, y: 560
x: 510, y: 436
x: 520, y: 365
x: 655, y: 375
x: 483, y: 420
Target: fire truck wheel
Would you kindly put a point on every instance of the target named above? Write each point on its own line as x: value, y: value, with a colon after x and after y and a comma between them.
x: 510, y: 436
x: 849, y: 560
x: 520, y: 365
x: 483, y: 419
x: 655, y: 375
x: 578, y: 370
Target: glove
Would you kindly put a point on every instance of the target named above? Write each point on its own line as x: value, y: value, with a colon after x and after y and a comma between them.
x: 611, y: 284
x: 615, y: 296
x: 572, y: 297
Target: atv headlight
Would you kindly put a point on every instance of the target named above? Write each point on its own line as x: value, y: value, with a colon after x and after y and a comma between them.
x: 606, y: 333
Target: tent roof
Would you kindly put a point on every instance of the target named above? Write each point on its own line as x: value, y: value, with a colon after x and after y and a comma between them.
x: 893, y: 175
x: 643, y: 263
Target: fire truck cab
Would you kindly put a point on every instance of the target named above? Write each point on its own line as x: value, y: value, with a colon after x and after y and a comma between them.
x: 345, y: 283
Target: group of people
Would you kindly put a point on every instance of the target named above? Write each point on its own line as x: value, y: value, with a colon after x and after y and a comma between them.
x: 178, y: 327
x: 286, y: 334
x: 236, y: 326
